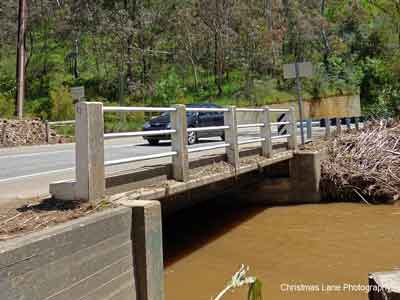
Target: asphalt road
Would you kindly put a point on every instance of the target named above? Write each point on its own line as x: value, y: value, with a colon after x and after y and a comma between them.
x: 26, y: 172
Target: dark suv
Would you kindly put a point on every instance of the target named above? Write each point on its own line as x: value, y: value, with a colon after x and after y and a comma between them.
x: 194, y: 119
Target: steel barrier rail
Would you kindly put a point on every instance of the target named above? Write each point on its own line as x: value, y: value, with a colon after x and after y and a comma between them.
x: 139, y: 158
x: 249, y: 110
x: 277, y: 137
x: 61, y: 123
x: 279, y: 123
x: 251, y: 125
x: 251, y: 141
x: 137, y: 109
x: 139, y: 133
x: 108, y: 136
x: 206, y: 148
x: 90, y: 163
x: 209, y: 128
x: 204, y: 109
x: 279, y: 110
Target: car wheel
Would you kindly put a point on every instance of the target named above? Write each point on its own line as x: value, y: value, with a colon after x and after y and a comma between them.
x: 192, y: 138
x: 153, y: 142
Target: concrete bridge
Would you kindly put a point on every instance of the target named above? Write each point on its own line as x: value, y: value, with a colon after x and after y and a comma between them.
x: 186, y: 171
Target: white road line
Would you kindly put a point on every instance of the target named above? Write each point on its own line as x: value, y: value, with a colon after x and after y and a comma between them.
x: 58, y: 152
x: 35, y: 175
x: 33, y: 154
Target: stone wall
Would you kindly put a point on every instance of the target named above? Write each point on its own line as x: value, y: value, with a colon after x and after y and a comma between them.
x: 26, y: 132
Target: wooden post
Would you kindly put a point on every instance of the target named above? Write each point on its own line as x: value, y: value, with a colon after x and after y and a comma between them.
x: 309, y: 129
x: 231, y: 137
x: 266, y: 146
x: 47, y: 128
x: 327, y: 127
x: 357, y: 123
x: 292, y: 141
x: 90, y: 180
x: 180, y: 162
x: 338, y: 126
x: 4, y: 141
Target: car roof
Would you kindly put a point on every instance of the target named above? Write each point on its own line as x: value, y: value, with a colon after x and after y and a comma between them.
x: 203, y: 105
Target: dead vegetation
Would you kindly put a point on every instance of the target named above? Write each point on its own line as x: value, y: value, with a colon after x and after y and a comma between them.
x: 364, y: 165
x: 37, y: 216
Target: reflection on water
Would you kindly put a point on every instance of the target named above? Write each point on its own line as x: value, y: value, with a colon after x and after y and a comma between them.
x: 314, y: 245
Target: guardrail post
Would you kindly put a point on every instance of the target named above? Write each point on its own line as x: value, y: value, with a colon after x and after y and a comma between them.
x: 309, y: 129
x: 348, y: 123
x: 266, y: 146
x: 338, y: 126
x: 180, y: 162
x: 357, y: 123
x: 292, y: 141
x: 89, y: 152
x: 231, y: 137
x: 327, y: 127
x: 47, y: 128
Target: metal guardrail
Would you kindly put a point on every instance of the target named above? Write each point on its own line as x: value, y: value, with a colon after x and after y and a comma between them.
x: 90, y: 164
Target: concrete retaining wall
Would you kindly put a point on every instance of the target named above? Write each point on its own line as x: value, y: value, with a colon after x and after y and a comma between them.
x: 332, y: 107
x: 92, y: 258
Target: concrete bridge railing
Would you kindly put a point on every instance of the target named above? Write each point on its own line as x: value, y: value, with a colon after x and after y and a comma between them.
x: 90, y: 136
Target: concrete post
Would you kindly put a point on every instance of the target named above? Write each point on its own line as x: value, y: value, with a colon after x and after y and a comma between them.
x: 338, y: 126
x: 180, y: 162
x: 90, y: 181
x: 231, y: 136
x: 147, y: 249
x: 357, y: 123
x: 309, y: 129
x: 292, y: 141
x: 305, y: 176
x: 327, y: 127
x: 266, y: 146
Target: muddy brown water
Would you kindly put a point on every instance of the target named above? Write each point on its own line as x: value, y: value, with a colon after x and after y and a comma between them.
x: 324, y: 246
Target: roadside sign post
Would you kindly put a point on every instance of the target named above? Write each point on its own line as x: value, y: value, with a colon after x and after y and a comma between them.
x: 300, y: 100
x: 78, y: 93
x: 296, y: 71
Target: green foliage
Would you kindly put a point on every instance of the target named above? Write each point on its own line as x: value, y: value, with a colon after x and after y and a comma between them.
x: 169, y: 89
x: 62, y: 106
x: 120, y: 122
x: 6, y: 106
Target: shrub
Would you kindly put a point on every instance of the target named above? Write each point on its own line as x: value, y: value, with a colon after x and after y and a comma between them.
x: 6, y: 106
x: 62, y: 104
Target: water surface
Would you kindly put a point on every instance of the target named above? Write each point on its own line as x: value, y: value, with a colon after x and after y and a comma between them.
x: 314, y: 245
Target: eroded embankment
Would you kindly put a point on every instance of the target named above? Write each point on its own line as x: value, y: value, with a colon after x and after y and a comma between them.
x: 363, y: 165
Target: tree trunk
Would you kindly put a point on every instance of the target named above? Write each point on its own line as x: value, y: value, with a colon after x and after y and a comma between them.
x: 21, y: 58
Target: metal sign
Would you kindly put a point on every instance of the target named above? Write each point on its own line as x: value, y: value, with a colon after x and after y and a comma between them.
x: 305, y: 70
x: 78, y: 92
x: 298, y: 70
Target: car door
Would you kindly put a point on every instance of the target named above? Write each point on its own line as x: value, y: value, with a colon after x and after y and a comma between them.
x: 204, y: 120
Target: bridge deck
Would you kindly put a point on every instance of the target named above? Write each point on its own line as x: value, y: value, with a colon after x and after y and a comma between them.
x: 161, y: 187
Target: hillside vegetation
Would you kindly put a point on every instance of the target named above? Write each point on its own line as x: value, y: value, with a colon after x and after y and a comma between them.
x: 159, y: 52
